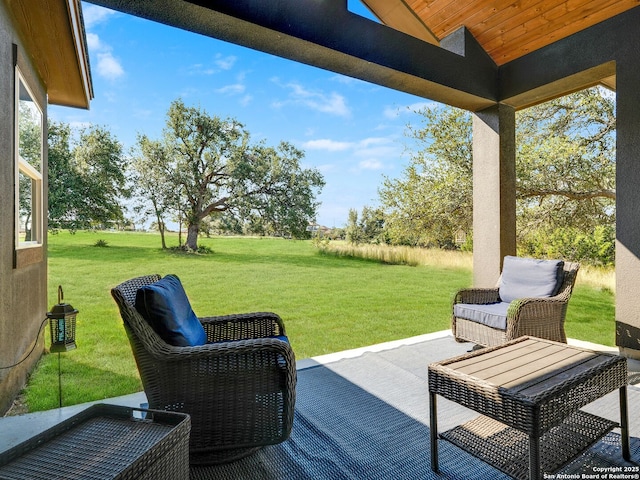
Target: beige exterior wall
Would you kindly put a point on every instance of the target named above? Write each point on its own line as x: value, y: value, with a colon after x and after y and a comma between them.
x: 23, y: 289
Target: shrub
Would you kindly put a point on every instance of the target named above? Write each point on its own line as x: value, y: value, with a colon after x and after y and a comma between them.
x: 202, y: 250
x: 596, y: 248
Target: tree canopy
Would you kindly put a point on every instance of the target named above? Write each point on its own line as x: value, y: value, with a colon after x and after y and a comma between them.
x: 208, y: 167
x: 433, y: 197
x: 87, y: 179
x: 154, y: 192
x: 565, y: 166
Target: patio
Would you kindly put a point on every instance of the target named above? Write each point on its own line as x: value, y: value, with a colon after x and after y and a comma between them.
x: 364, y: 414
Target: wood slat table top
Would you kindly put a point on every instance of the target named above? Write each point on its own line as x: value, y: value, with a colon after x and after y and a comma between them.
x: 529, y: 366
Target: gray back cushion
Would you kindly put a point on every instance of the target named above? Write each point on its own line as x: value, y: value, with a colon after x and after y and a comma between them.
x: 529, y: 277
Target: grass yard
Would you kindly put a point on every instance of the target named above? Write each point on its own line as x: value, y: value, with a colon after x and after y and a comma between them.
x: 329, y: 303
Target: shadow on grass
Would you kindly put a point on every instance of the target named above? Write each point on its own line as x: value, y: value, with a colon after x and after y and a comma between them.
x: 127, y: 254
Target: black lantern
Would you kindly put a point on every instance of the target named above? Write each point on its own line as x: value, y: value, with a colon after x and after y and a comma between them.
x: 62, y: 320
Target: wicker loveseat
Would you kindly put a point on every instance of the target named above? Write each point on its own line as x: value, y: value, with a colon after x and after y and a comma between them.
x: 481, y: 316
x: 238, y: 387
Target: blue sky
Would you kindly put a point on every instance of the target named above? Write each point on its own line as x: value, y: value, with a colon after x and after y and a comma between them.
x: 350, y: 130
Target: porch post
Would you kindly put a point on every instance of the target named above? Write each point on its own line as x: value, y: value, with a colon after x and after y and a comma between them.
x: 494, y: 192
x: 627, y: 201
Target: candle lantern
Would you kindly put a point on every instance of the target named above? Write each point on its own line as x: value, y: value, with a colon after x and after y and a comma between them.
x: 62, y: 321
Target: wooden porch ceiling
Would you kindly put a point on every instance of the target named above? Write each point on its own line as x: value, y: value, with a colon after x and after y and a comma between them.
x: 506, y: 30
x: 421, y: 47
x: 53, y: 34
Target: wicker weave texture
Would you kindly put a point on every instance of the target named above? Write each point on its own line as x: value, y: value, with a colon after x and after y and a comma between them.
x: 105, y: 442
x: 507, y: 449
x: 239, y: 389
x: 536, y: 317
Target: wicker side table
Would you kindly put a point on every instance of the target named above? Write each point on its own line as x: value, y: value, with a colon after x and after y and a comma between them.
x: 105, y: 442
x: 528, y: 392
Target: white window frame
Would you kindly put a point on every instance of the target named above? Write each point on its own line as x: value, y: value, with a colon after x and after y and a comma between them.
x: 22, y: 166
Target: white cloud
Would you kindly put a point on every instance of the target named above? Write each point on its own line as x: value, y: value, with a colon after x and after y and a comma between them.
x: 381, y: 151
x: 93, y: 41
x: 378, y: 147
x: 200, y: 69
x: 391, y: 112
x: 234, y: 89
x: 327, y: 144
x: 109, y: 67
x: 367, y: 142
x: 368, y: 154
x: 218, y: 64
x: 94, y: 14
x: 225, y: 63
x: 371, y: 164
x: 331, y: 103
x: 246, y: 100
x: 337, y: 105
x: 371, y: 146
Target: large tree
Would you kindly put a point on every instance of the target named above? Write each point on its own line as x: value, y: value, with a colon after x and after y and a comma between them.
x: 566, y: 162
x: 433, y: 197
x: 565, y: 175
x: 366, y: 228
x: 154, y: 191
x: 212, y: 165
x: 273, y: 191
x: 87, y: 179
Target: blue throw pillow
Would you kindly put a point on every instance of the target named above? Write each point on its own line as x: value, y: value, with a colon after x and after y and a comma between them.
x: 529, y: 277
x: 164, y: 304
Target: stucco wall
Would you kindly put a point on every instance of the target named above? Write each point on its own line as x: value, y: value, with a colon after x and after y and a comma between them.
x: 23, y: 291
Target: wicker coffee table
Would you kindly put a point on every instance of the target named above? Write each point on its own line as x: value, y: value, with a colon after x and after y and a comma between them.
x: 528, y: 392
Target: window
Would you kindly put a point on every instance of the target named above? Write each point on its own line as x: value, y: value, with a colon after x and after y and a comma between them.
x: 29, y: 158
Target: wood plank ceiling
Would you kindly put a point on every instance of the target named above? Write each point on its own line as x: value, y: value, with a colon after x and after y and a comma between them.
x: 53, y: 33
x: 505, y: 29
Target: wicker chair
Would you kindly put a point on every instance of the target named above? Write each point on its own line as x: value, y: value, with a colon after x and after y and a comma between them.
x: 239, y: 388
x: 537, y: 317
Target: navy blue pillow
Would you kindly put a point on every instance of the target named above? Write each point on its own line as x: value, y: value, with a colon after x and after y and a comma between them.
x: 164, y: 304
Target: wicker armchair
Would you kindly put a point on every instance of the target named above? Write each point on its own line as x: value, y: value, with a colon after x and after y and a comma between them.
x: 537, y: 317
x: 239, y: 388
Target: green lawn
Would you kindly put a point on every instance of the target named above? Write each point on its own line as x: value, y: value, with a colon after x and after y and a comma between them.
x: 328, y: 303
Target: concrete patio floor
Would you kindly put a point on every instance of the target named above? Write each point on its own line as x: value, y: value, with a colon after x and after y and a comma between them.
x: 16, y: 429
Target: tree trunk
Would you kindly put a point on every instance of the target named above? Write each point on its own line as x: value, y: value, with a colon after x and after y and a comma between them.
x: 180, y: 228
x: 192, y: 236
x: 161, y: 229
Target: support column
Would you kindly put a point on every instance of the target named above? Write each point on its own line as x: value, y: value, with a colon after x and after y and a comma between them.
x: 627, y: 202
x: 494, y: 192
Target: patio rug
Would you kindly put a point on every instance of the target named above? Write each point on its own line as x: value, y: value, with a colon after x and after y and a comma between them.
x: 367, y: 418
